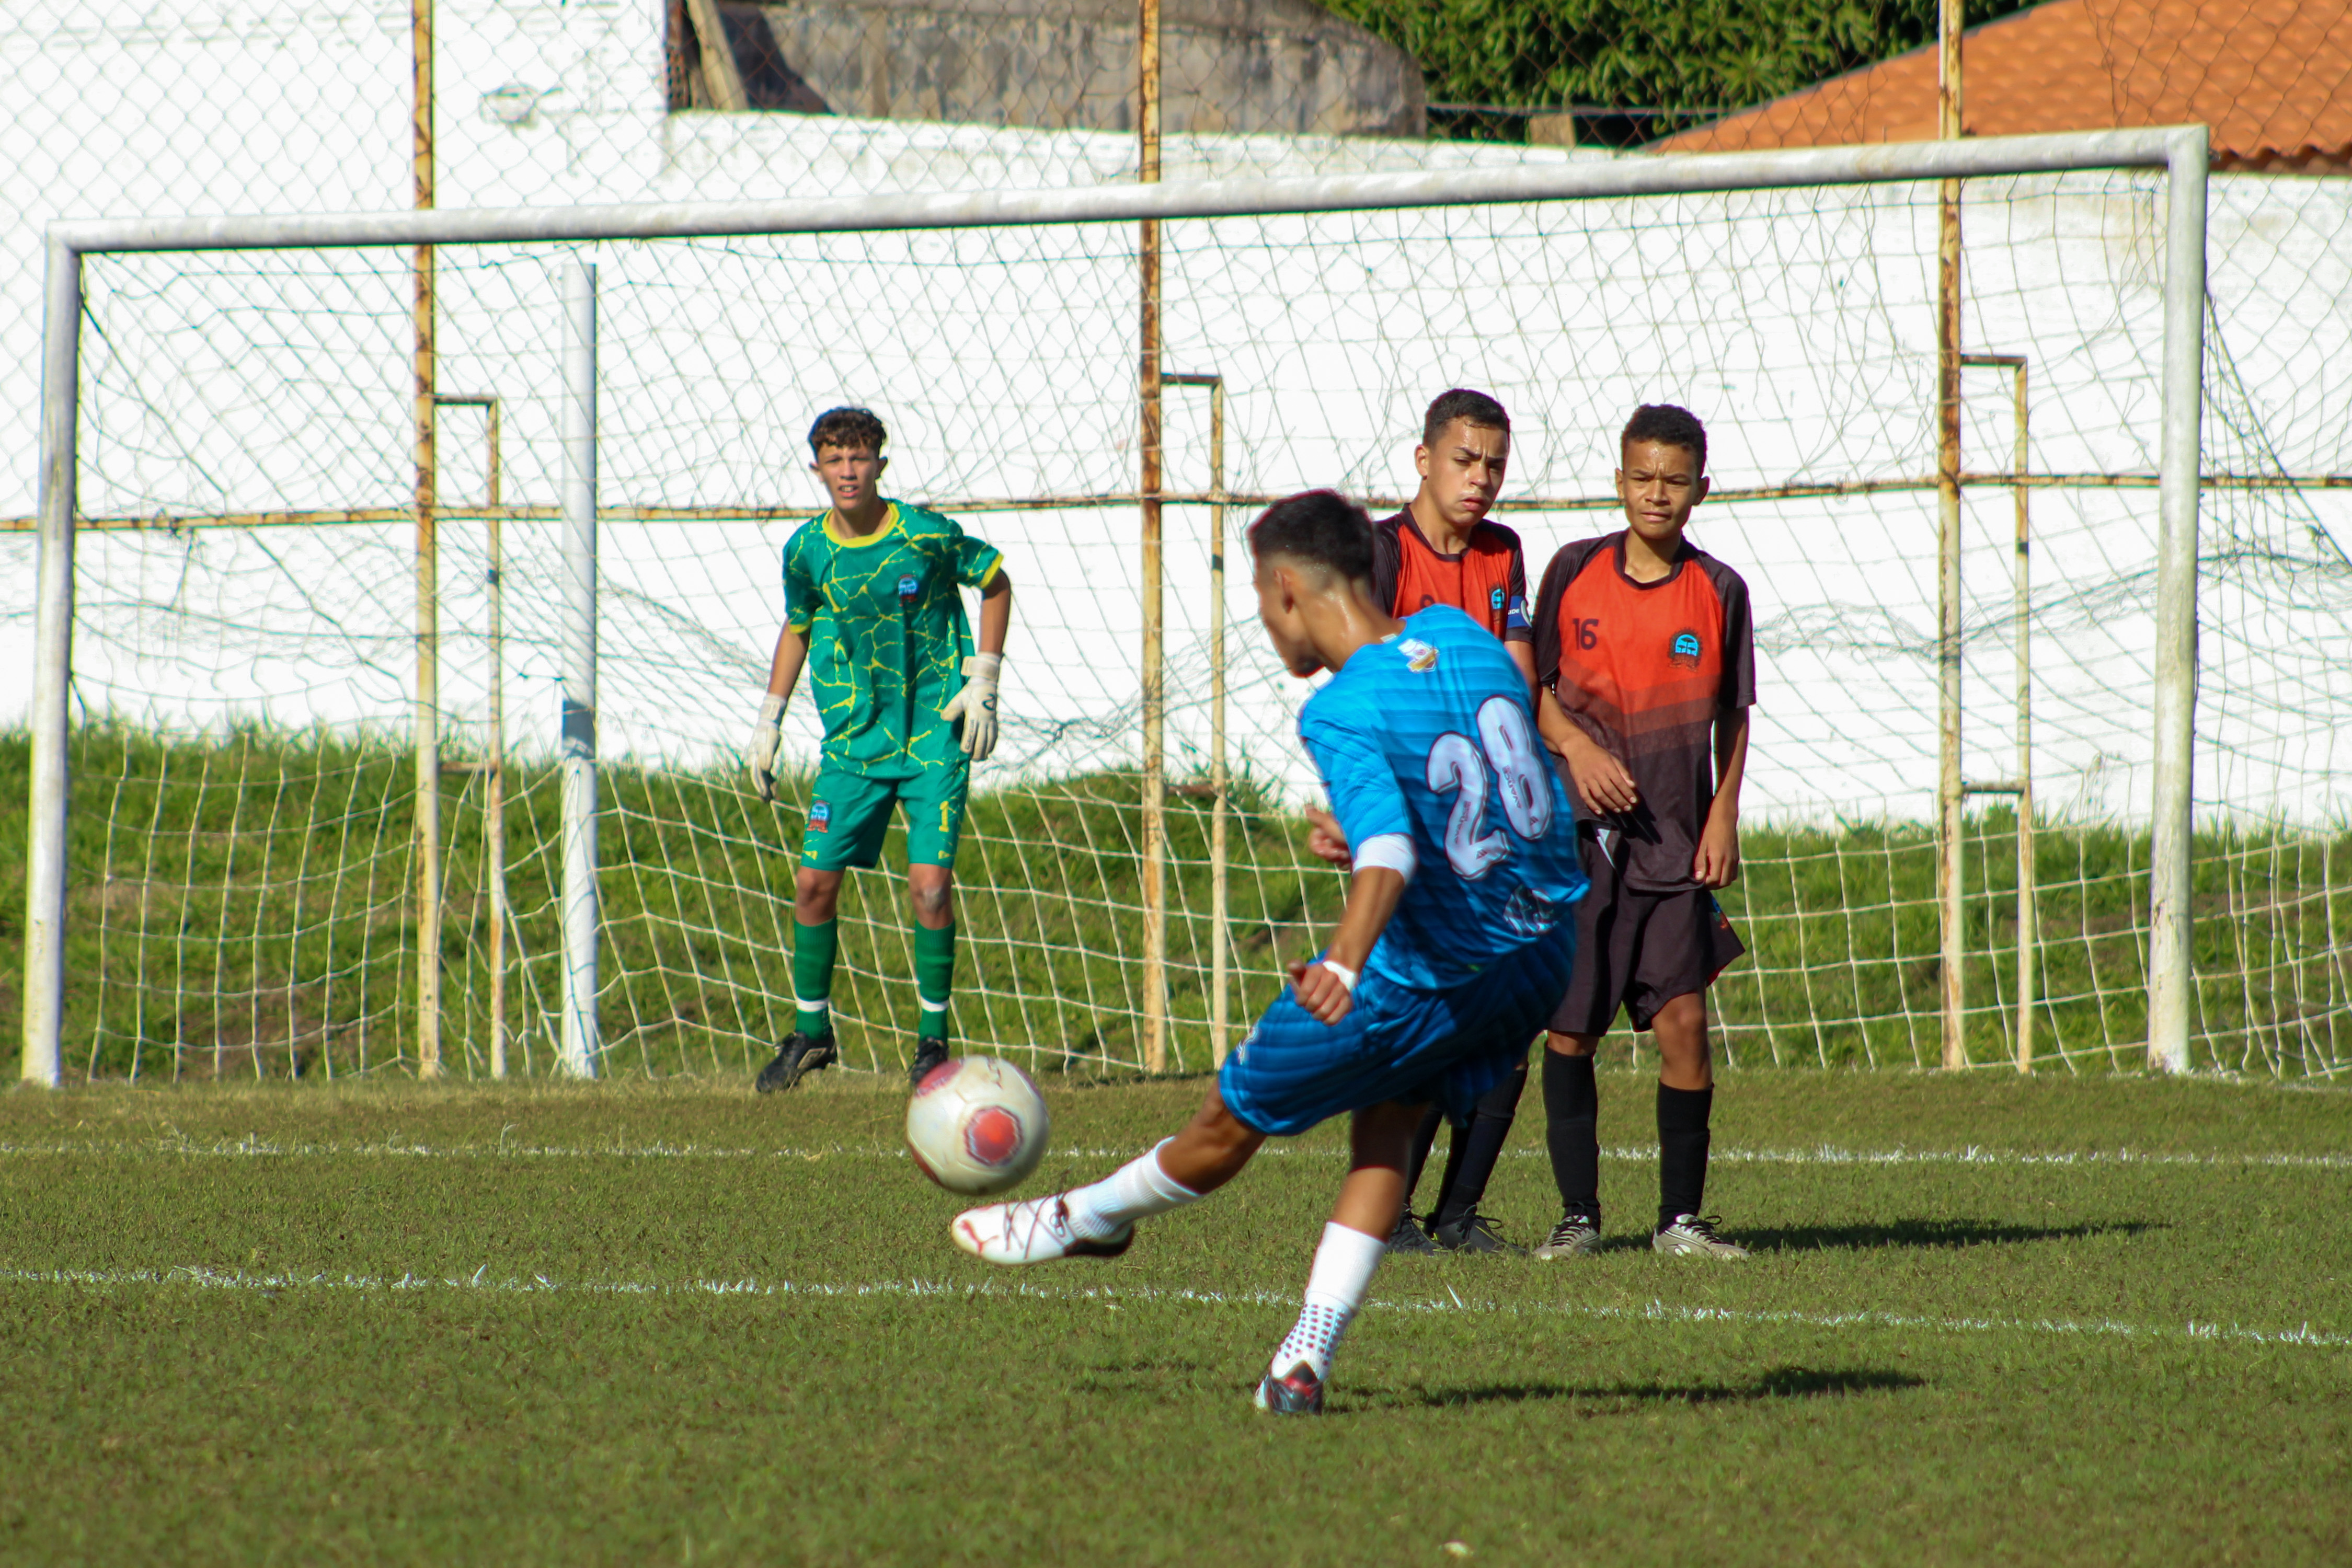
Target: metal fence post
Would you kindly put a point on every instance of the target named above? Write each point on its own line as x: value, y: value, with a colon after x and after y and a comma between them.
x: 494, y: 771
x: 2022, y: 786
x: 428, y: 580
x: 1155, y: 710
x: 1950, y: 796
x: 581, y: 911
x: 2028, y: 892
x: 1221, y: 928
x: 495, y: 848
x: 1220, y: 860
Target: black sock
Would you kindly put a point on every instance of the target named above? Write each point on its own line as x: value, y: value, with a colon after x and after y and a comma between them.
x: 1572, y: 1106
x: 1478, y: 1146
x: 1682, y: 1149
x: 1454, y: 1145
x: 1424, y: 1137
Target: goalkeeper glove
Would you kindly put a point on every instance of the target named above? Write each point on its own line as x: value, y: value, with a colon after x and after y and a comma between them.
x: 976, y: 705
x: 760, y: 755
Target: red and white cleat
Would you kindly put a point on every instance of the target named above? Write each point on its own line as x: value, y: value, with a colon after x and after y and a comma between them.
x: 1034, y: 1230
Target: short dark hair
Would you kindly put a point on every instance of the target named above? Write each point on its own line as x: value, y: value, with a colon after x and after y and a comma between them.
x: 1668, y: 426
x: 847, y: 427
x: 1321, y: 527
x: 1462, y: 403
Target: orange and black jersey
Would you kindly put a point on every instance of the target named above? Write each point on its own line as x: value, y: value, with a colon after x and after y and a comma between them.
x: 1646, y: 669
x: 1487, y: 582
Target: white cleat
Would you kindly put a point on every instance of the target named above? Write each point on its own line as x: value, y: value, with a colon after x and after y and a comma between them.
x: 1576, y: 1236
x: 1034, y: 1230
x: 1691, y: 1237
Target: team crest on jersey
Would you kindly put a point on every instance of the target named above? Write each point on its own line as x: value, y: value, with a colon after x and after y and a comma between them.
x: 1495, y: 600
x: 908, y: 586
x: 820, y: 816
x: 1686, y: 649
x: 1529, y: 916
x: 1419, y: 656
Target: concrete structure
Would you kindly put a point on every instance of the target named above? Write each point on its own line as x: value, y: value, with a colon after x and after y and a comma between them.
x: 1227, y: 65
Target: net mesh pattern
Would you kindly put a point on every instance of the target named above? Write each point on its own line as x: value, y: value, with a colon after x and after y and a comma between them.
x: 245, y: 806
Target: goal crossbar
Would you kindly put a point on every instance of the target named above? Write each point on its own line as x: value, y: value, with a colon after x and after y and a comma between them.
x: 2180, y: 151
x: 1685, y: 174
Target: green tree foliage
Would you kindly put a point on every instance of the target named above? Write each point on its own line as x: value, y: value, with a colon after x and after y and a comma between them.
x: 1665, y: 63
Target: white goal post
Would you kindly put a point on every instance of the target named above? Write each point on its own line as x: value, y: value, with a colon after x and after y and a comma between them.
x: 2180, y: 152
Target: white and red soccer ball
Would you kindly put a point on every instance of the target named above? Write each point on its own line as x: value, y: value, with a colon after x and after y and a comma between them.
x: 976, y: 1125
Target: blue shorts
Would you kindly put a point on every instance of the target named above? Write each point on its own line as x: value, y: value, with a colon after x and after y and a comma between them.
x: 1448, y: 1047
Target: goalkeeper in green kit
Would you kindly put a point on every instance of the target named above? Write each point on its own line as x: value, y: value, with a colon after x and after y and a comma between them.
x: 872, y: 608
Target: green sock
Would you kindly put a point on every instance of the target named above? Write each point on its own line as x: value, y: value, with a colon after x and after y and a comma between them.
x: 814, y: 948
x: 934, y: 978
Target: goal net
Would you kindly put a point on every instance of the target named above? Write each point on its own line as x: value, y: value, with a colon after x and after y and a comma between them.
x: 244, y: 828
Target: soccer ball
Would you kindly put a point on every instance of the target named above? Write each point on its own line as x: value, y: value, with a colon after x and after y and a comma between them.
x: 976, y: 1125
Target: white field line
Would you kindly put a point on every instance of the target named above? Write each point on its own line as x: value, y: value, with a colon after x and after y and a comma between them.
x: 1824, y: 1154
x: 480, y: 1280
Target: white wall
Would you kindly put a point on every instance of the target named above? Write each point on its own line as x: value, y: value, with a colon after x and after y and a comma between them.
x: 1799, y: 326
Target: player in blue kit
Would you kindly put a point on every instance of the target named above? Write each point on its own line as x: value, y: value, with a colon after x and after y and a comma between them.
x: 1454, y: 946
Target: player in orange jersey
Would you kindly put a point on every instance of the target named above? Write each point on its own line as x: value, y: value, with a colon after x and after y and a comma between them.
x: 1645, y: 649
x: 1443, y: 549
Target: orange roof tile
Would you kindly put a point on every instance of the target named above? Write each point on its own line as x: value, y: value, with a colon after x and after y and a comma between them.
x: 2272, y: 78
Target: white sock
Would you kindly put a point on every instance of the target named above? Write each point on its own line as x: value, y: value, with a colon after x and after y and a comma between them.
x: 1335, y: 1289
x: 1137, y: 1190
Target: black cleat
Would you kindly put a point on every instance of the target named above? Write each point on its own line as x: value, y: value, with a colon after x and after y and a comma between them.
x: 1409, y: 1239
x: 798, y: 1056
x: 1297, y: 1391
x: 1473, y: 1232
x: 930, y: 1052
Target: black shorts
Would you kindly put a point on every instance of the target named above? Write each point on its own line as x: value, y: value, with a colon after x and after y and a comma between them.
x: 1639, y: 950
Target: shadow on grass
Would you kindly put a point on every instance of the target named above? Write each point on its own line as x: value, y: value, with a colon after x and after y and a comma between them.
x: 1779, y: 1383
x: 1925, y: 1233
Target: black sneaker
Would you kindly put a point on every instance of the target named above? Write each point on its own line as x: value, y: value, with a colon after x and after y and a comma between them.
x: 798, y: 1056
x: 1409, y: 1239
x: 1473, y: 1232
x: 929, y: 1053
x: 1576, y: 1236
x: 1297, y: 1391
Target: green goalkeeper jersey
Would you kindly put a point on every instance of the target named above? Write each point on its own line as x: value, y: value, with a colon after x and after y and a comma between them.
x: 886, y: 635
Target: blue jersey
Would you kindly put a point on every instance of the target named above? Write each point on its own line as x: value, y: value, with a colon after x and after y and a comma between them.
x: 1429, y: 736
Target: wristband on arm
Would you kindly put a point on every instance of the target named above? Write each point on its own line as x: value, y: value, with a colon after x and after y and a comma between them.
x: 1388, y: 852
x: 1346, y: 976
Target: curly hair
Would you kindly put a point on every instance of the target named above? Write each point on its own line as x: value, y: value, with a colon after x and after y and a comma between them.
x: 847, y: 427
x: 1668, y: 426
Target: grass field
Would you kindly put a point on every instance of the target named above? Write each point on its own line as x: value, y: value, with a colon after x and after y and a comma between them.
x: 2097, y: 1320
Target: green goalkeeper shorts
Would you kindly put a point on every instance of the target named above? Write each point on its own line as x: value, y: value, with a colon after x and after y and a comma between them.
x: 849, y: 813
